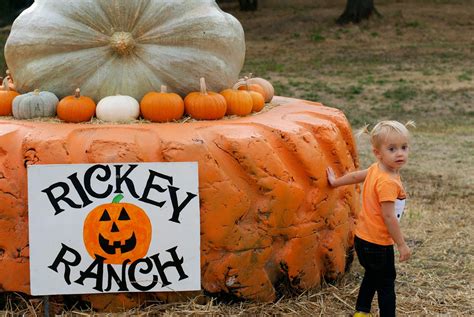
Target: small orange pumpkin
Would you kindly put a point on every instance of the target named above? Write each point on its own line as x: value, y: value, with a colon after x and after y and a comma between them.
x: 162, y: 106
x: 258, y: 102
x: 6, y: 99
x: 268, y: 89
x: 117, y: 231
x: 246, y: 85
x: 239, y: 102
x: 76, y: 108
x: 207, y: 105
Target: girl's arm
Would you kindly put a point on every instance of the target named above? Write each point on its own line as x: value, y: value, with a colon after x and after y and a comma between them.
x: 348, y: 179
x: 388, y: 214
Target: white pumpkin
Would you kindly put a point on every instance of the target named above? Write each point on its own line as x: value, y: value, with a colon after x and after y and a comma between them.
x: 110, y: 47
x: 117, y: 109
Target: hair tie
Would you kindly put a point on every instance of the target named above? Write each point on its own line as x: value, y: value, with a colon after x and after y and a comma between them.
x: 410, y: 123
x: 363, y: 130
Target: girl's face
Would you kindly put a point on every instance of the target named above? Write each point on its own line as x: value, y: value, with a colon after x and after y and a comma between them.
x: 393, y: 152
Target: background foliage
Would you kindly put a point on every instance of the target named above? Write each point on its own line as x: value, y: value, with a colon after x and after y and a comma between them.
x: 415, y: 63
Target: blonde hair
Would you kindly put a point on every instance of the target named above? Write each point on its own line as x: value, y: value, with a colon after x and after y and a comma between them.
x: 384, y: 128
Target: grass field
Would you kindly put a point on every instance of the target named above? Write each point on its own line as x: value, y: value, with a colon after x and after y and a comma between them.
x: 415, y: 63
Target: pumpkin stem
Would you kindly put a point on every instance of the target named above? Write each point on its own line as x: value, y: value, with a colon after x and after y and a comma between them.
x: 250, y: 75
x: 117, y: 199
x: 247, y: 81
x: 239, y: 84
x: 164, y: 89
x: 202, y: 83
x: 122, y: 43
x: 37, y: 91
x: 77, y: 93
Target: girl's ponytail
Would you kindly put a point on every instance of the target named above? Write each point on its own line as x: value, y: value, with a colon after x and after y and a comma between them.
x: 382, y: 128
x: 410, y: 123
x: 363, y: 130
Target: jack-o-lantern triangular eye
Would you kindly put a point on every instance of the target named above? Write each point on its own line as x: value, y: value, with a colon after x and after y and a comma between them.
x: 105, y: 216
x: 123, y: 215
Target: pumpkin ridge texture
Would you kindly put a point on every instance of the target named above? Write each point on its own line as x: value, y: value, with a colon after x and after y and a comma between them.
x: 124, y: 47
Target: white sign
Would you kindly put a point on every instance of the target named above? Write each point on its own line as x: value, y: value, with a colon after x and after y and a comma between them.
x: 124, y: 227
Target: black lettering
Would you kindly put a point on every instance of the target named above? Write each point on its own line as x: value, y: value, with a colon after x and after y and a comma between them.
x: 89, y: 273
x: 67, y: 264
x: 88, y: 176
x: 55, y: 200
x: 80, y: 190
x: 122, y: 283
x: 176, y: 262
x: 149, y: 186
x: 120, y: 179
x: 133, y: 280
x: 177, y: 208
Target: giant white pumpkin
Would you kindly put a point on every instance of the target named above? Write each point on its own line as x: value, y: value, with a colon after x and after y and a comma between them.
x: 110, y: 47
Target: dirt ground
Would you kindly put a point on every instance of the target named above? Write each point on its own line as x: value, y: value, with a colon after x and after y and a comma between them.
x: 414, y: 63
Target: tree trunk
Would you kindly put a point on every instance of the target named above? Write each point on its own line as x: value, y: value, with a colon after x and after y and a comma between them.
x: 356, y: 11
x: 11, y: 9
x: 248, y: 5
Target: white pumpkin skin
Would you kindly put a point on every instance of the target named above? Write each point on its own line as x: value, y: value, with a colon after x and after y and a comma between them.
x: 35, y: 104
x: 118, y: 109
x: 110, y: 47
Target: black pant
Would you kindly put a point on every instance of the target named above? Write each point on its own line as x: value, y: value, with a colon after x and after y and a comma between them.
x: 379, y: 264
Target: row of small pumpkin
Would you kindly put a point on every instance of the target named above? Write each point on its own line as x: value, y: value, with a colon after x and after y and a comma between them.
x: 248, y: 95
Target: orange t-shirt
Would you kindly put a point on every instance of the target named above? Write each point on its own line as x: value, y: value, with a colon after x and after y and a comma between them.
x: 379, y: 187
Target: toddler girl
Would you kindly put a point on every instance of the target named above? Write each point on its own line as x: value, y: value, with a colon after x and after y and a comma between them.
x: 377, y: 227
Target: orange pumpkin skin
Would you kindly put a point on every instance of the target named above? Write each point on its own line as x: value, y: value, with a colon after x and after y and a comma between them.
x: 253, y: 87
x: 268, y: 90
x: 255, y: 91
x: 239, y: 102
x: 205, y: 105
x: 162, y: 106
x: 258, y: 102
x: 76, y: 108
x: 6, y: 100
x: 119, y: 223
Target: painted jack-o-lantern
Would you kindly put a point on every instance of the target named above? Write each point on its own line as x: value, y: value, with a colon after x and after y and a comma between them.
x: 117, y: 232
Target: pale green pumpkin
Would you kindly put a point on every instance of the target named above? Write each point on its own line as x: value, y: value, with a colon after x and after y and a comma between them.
x: 35, y: 104
x: 127, y: 47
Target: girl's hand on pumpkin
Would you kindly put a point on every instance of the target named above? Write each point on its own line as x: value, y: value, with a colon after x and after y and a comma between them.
x: 331, y: 177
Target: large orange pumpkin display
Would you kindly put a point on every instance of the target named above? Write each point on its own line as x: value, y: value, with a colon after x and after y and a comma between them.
x: 117, y: 232
x: 269, y: 220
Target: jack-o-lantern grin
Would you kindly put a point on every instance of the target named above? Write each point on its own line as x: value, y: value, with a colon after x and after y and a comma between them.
x: 118, y: 232
x: 111, y: 248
